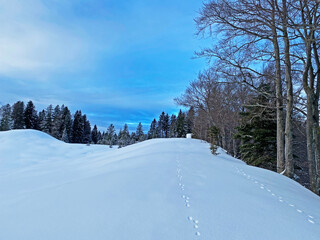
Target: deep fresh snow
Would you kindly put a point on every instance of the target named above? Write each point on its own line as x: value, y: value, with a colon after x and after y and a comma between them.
x: 158, y: 189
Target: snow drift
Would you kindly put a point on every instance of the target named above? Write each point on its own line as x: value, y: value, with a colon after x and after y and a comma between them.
x: 157, y: 189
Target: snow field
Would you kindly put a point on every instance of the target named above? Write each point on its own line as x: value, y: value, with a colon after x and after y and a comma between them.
x: 157, y: 189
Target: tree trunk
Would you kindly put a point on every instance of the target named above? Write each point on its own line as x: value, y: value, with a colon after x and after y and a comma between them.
x: 289, y: 110
x: 310, y: 142
x: 279, y: 104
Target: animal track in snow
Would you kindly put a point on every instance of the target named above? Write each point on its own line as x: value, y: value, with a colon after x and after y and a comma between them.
x: 310, y: 218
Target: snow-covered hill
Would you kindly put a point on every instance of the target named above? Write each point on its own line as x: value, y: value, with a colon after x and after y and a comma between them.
x: 157, y: 189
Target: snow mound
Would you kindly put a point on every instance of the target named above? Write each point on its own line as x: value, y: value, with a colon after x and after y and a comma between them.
x: 157, y: 189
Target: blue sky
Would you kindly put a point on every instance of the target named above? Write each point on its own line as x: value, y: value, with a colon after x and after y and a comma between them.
x: 118, y: 61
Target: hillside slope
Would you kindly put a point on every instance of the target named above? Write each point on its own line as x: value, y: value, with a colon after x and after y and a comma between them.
x: 157, y: 189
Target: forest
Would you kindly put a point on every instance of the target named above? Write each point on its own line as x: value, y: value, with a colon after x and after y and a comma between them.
x: 76, y: 128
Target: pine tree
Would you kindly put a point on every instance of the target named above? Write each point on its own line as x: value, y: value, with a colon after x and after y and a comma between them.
x: 41, y: 119
x: 110, y: 135
x: 139, y: 133
x: 46, y: 123
x: 153, y: 129
x: 166, y: 126
x: 66, y: 121
x: 17, y: 115
x: 77, y: 128
x: 133, y: 138
x: 99, y: 138
x: 94, y: 134
x: 173, y: 126
x: 124, y: 136
x: 181, y: 125
x: 6, y: 121
x: 161, y: 125
x: 190, y: 120
x: 57, y: 123
x: 258, y: 132
x: 86, y: 130
x: 30, y: 116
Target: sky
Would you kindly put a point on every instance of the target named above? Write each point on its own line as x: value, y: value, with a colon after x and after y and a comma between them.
x: 117, y: 61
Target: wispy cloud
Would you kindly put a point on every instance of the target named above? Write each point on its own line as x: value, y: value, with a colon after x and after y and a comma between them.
x: 35, y: 42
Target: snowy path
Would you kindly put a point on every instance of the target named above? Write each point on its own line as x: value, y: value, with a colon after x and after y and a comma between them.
x: 159, y: 189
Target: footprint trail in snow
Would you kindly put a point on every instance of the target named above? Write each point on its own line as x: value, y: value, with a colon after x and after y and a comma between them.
x: 186, y: 199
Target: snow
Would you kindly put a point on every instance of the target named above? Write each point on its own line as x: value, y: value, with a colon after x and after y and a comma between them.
x: 157, y: 189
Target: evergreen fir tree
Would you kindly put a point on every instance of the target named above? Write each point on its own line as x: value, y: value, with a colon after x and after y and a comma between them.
x: 99, y: 138
x: 124, y: 137
x: 161, y: 125
x: 46, y: 123
x: 94, y: 134
x: 110, y: 135
x: 30, y: 116
x: 173, y: 126
x: 153, y: 129
x: 57, y: 123
x: 120, y: 141
x: 17, y: 115
x: 41, y: 120
x: 166, y: 126
x: 190, y: 120
x: 6, y: 122
x: 139, y: 133
x: 181, y: 125
x: 133, y: 138
x: 86, y: 130
x: 115, y: 140
x: 66, y: 121
x: 258, y: 132
x: 77, y: 128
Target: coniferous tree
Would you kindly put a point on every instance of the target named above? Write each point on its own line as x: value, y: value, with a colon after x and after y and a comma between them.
x: 57, y: 123
x: 110, y: 135
x: 166, y: 126
x: 17, y: 115
x: 181, y: 125
x: 139, y: 133
x: 190, y: 120
x: 46, y: 123
x: 86, y: 130
x: 133, y: 138
x: 173, y: 126
x: 258, y: 132
x: 161, y: 125
x: 41, y: 119
x: 120, y: 141
x: 6, y: 122
x: 77, y: 128
x: 124, y: 136
x: 30, y: 116
x: 99, y: 138
x: 94, y: 134
x: 153, y: 129
x: 66, y: 121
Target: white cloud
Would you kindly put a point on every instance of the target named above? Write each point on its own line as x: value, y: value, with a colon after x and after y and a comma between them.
x: 33, y: 43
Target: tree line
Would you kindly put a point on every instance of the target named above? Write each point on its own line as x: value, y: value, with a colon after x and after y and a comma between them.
x: 76, y: 128
x: 260, y: 92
